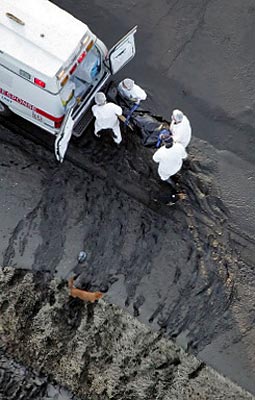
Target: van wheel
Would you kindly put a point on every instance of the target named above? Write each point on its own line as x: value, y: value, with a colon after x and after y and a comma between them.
x: 4, y: 110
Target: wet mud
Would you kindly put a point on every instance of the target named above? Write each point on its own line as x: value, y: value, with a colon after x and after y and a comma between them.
x: 182, y: 270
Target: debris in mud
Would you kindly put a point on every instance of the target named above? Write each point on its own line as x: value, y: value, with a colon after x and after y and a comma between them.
x: 82, y: 256
x: 97, y: 351
x: 20, y: 383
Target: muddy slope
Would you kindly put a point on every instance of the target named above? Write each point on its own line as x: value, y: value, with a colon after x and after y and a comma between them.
x: 97, y: 351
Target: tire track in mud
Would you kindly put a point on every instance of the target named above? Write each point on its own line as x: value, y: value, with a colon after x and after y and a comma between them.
x: 211, y: 287
x: 48, y: 217
x: 99, y: 154
x: 119, y: 232
x: 52, y: 224
x: 198, y: 284
x: 19, y: 236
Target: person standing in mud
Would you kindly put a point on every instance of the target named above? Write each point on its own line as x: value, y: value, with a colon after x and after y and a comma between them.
x: 170, y: 159
x: 180, y: 128
x: 107, y: 117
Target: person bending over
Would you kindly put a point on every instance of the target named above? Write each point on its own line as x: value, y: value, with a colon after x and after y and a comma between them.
x: 130, y: 91
x: 170, y: 158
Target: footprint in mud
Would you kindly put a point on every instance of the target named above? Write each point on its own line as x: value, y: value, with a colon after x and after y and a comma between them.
x: 157, y: 312
x: 14, y: 163
x: 27, y: 166
x: 137, y: 304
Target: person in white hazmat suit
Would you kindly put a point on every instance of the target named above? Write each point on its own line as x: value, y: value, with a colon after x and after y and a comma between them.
x: 170, y: 158
x: 106, y: 115
x: 180, y: 128
x: 130, y: 91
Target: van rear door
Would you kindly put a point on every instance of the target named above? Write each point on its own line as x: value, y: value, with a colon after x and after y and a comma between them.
x: 119, y: 55
x: 64, y: 136
x: 122, y: 52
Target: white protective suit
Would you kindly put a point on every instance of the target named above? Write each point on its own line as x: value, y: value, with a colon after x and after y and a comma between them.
x: 107, y: 118
x: 170, y: 160
x: 136, y: 94
x: 181, y: 131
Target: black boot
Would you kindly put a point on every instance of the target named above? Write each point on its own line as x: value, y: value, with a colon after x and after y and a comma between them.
x: 171, y: 182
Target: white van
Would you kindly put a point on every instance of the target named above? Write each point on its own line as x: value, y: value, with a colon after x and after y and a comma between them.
x: 52, y: 65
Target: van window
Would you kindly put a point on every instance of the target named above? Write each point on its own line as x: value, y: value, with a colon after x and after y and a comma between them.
x: 84, y: 77
x: 90, y: 66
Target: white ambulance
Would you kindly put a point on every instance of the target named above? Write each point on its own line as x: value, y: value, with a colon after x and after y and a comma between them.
x: 52, y: 65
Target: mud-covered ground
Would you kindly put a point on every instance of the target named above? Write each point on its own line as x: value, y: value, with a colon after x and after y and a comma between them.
x: 187, y: 270
x: 96, y: 350
x: 178, y: 269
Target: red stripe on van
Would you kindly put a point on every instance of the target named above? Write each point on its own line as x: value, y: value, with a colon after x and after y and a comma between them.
x: 49, y: 116
x: 31, y: 106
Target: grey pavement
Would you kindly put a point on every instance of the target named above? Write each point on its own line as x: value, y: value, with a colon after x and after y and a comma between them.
x: 197, y: 55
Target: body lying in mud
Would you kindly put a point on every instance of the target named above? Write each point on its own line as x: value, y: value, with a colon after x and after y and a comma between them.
x: 149, y: 128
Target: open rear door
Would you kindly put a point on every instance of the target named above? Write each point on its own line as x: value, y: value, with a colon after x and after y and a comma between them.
x: 122, y: 52
x: 64, y: 136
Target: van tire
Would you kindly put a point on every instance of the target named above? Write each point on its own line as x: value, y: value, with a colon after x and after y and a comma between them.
x: 4, y: 110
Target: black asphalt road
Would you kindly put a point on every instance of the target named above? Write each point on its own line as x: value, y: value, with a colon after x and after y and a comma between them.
x: 197, y: 55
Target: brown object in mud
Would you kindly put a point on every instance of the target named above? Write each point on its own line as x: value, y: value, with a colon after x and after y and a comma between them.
x: 82, y: 294
x: 182, y: 196
x: 123, y: 119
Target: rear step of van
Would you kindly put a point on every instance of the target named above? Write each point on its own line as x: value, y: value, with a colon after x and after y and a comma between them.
x: 83, y: 123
